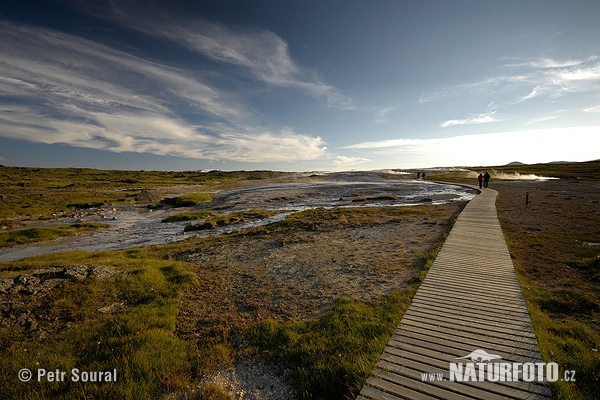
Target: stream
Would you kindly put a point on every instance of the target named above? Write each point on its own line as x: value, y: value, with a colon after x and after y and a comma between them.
x: 134, y: 226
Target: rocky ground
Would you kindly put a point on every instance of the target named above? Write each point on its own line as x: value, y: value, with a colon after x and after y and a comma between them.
x: 20, y: 295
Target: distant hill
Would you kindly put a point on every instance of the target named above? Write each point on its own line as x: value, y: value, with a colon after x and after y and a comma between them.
x: 589, y: 170
x: 515, y: 163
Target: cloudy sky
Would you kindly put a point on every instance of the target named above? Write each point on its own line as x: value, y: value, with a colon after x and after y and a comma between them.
x: 298, y: 85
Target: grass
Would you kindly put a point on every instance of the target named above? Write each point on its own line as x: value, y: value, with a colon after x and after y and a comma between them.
x: 41, y: 234
x: 560, y: 280
x: 138, y: 342
x: 189, y: 216
x: 34, y: 192
x: 330, y: 356
x: 188, y: 200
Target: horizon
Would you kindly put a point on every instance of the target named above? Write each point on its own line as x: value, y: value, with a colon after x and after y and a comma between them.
x: 298, y: 86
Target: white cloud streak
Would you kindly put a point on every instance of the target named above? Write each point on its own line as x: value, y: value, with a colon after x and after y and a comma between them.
x: 58, y: 88
x: 260, y: 52
x: 476, y: 119
x: 546, y: 79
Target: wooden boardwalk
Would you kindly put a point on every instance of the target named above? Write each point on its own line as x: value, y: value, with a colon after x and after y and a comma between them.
x: 470, y: 299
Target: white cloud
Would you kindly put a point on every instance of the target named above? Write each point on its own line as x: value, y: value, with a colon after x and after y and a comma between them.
x: 529, y: 146
x: 541, y: 119
x: 149, y: 133
x: 80, y: 93
x: 595, y: 109
x: 381, y: 115
x: 344, y: 161
x: 549, y: 78
x: 260, y: 52
x: 476, y: 119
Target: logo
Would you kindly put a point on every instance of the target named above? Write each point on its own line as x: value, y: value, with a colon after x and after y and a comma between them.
x: 481, y: 366
x: 480, y: 356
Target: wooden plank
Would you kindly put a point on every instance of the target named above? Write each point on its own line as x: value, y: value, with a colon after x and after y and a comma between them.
x: 516, y: 336
x: 419, y: 386
x: 397, y: 390
x: 376, y: 394
x: 431, y: 302
x: 478, y: 390
x: 481, y: 320
x: 470, y: 299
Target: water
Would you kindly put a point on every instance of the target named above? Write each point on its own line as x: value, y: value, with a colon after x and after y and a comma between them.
x: 134, y: 226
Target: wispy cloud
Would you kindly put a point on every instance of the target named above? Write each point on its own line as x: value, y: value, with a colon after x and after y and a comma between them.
x: 58, y: 88
x: 594, y: 109
x: 261, y: 53
x: 545, y: 78
x: 381, y: 115
x: 476, y: 119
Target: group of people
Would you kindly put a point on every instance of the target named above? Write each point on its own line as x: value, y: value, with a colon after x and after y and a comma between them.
x: 483, y: 180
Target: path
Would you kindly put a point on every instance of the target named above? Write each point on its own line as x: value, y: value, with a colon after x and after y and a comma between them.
x: 469, y: 300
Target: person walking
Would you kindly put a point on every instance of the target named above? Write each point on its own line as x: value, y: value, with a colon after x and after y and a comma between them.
x: 480, y: 179
x: 486, y: 179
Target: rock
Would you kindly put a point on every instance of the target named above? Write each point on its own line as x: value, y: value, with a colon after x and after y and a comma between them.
x: 5, y: 284
x: 26, y: 280
x: 101, y: 273
x: 76, y: 272
x: 111, y: 308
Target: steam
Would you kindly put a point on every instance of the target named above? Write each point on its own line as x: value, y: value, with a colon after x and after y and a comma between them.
x: 510, y: 176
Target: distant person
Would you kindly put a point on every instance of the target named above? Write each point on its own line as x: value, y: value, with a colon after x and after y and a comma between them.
x: 418, y: 175
x: 480, y: 179
x: 423, y: 175
x: 486, y: 179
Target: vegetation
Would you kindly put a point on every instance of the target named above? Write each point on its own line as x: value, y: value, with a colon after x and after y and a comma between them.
x: 188, y: 200
x: 40, y: 234
x: 34, y: 192
x: 190, y: 216
x: 138, y: 341
x: 559, y: 276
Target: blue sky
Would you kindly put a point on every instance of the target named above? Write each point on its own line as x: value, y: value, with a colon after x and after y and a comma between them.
x: 298, y: 85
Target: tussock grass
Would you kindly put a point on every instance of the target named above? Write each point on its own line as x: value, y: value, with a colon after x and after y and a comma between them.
x: 559, y: 279
x: 188, y: 200
x: 42, y: 191
x: 189, y: 216
x: 333, y: 354
x: 330, y: 356
x: 137, y: 341
x: 40, y: 234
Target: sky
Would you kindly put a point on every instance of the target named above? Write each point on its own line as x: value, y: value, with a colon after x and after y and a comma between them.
x: 298, y: 85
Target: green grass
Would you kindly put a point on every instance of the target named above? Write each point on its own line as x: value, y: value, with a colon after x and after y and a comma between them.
x: 188, y: 200
x: 34, y: 192
x: 40, y: 234
x: 138, y: 342
x: 189, y: 216
x: 330, y: 356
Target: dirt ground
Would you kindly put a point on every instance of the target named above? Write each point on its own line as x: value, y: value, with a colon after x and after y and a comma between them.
x: 558, y: 228
x: 296, y: 271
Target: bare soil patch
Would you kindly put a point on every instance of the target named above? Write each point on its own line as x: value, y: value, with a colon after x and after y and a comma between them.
x: 557, y: 229
x: 296, y: 270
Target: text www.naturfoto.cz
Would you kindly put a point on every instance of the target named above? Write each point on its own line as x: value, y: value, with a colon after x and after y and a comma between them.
x: 432, y: 376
